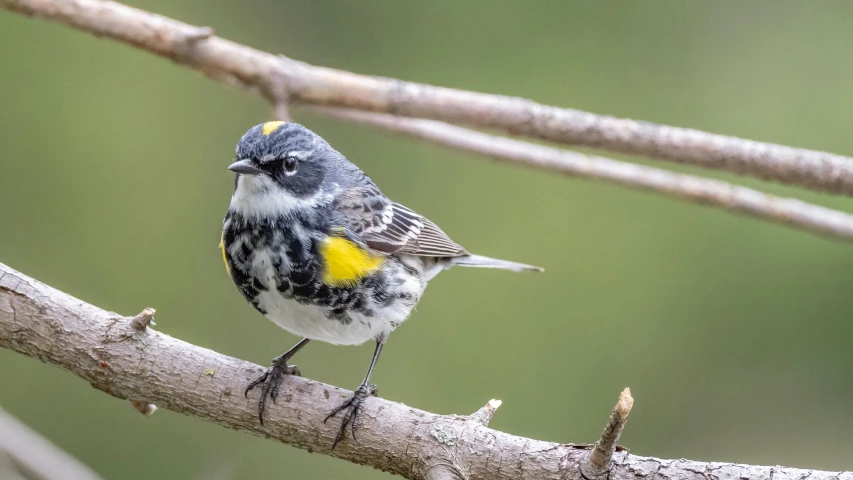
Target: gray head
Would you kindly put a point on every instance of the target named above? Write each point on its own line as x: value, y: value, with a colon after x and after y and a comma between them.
x: 284, y: 156
x: 283, y: 166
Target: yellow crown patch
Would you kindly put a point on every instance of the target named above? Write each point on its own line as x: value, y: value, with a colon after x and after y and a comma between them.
x: 270, y: 127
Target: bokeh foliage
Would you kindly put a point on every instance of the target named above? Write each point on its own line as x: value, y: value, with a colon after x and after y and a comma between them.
x: 733, y: 334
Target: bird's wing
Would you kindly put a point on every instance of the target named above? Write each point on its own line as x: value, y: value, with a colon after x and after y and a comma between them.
x: 389, y: 227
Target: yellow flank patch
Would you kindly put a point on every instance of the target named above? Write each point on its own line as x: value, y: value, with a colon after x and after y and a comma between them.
x: 345, y: 263
x: 270, y: 127
x: 222, y: 247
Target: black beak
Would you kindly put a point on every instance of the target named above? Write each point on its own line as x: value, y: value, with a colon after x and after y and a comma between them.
x: 245, y: 167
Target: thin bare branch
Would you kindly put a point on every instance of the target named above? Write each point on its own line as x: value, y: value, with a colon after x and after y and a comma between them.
x: 24, y: 452
x: 240, y: 65
x: 107, y: 351
x: 717, y: 193
x: 281, y: 110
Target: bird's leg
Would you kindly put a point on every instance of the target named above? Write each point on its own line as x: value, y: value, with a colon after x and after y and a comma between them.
x: 353, y: 404
x: 273, y: 376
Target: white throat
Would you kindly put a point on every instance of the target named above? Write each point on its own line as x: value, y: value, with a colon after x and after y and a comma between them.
x: 258, y: 196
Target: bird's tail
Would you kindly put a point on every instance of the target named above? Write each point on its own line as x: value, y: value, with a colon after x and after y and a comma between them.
x: 487, y: 262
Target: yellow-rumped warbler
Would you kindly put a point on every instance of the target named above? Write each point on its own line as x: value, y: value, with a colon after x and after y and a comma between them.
x: 312, y: 244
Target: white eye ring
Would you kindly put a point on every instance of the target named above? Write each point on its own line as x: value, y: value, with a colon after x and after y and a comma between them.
x: 290, y: 164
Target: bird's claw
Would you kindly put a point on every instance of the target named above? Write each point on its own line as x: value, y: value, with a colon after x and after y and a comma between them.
x: 353, y: 404
x: 271, y: 380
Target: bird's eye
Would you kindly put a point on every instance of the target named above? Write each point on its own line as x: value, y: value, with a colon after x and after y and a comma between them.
x: 290, y: 165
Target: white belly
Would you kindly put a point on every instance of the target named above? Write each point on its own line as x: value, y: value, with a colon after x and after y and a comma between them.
x: 310, y: 321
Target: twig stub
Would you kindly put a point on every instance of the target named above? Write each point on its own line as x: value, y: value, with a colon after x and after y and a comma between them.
x: 484, y: 415
x: 597, y: 464
x: 143, y: 407
x: 281, y: 110
x: 141, y: 321
x: 197, y: 34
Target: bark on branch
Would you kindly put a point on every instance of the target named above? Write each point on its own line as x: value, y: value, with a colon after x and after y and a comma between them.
x: 281, y: 79
x: 124, y: 357
x: 723, y: 195
x: 114, y: 355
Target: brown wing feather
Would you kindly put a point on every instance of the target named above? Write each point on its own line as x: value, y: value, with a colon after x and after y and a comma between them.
x: 391, y: 228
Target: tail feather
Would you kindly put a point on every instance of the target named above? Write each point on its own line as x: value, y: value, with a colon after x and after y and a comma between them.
x: 487, y: 262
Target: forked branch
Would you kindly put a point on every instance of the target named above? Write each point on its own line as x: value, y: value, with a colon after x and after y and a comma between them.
x: 238, y: 64
x: 282, y: 80
x: 724, y: 195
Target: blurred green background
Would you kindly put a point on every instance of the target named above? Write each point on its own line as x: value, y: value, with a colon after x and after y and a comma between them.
x: 733, y: 334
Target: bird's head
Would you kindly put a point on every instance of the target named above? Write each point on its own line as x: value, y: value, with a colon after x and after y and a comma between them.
x: 280, y: 155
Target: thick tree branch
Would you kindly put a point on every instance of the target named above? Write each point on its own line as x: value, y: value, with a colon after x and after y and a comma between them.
x: 238, y: 64
x: 720, y: 194
x: 124, y: 357
x: 111, y: 353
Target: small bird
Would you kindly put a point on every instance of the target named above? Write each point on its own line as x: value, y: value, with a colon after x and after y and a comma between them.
x: 313, y: 245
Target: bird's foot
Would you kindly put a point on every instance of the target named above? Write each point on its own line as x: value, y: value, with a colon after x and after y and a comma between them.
x: 353, y: 405
x: 271, y: 380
